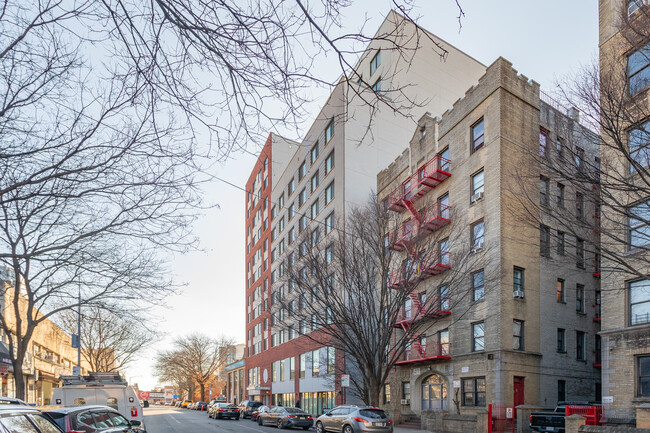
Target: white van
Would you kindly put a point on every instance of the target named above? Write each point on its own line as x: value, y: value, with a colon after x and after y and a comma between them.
x: 105, y: 389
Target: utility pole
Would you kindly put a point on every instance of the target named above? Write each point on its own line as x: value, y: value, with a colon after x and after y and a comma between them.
x: 79, y: 332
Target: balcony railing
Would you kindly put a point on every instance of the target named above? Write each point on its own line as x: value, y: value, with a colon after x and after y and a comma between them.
x: 431, y: 219
x: 425, y: 352
x: 413, y: 272
x: 435, y: 307
x: 427, y: 177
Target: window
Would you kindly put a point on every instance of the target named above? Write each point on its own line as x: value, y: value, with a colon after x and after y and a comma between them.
x: 639, y: 230
x: 281, y: 225
x: 478, y: 285
x: 331, y: 360
x: 329, y: 131
x: 560, y: 195
x: 291, y: 236
x: 580, y: 298
x: 377, y: 86
x: 314, y: 209
x: 329, y: 222
x: 302, y: 197
x: 315, y: 361
x: 639, y: 141
x: 329, y: 254
x: 643, y: 375
x: 478, y: 336
x: 282, y: 369
x: 579, y: 158
x: 639, y: 302
x: 292, y: 367
x: 281, y: 201
x: 406, y: 390
x: 478, y: 185
x: 473, y: 389
x: 580, y: 346
x: 544, y: 240
x: 518, y: 279
x: 561, y: 390
x: 633, y: 6
x: 387, y: 393
x: 329, y: 193
x: 580, y: 204
x: 559, y: 147
x: 329, y: 162
x: 302, y: 170
x: 478, y: 235
x: 580, y: 253
x: 518, y: 334
x: 314, y: 182
x: 478, y: 136
x: 314, y: 153
x: 638, y: 70
x: 291, y: 187
x: 302, y: 223
x: 375, y: 62
x: 560, y: 295
x: 543, y: 135
x: 561, y: 340
x: 315, y: 235
x: 560, y: 243
x: 543, y: 191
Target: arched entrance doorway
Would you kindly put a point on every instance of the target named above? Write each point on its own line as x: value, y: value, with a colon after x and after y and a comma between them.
x: 434, y: 393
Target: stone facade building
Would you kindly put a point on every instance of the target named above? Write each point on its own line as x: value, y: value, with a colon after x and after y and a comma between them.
x: 516, y: 319
x: 625, y: 64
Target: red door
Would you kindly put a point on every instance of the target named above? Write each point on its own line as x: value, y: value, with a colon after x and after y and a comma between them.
x: 518, y: 391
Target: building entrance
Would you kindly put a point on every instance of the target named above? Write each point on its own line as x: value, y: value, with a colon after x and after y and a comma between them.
x: 434, y: 393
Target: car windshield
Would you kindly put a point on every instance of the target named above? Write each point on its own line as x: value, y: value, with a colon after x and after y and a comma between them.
x: 372, y: 413
x: 222, y: 405
x: 294, y: 410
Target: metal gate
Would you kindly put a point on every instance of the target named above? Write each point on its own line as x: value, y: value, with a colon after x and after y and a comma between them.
x: 501, y: 419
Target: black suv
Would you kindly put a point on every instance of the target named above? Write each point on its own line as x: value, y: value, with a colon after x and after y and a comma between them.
x: 247, y: 407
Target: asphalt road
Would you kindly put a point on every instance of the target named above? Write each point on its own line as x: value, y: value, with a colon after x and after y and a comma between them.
x: 165, y: 419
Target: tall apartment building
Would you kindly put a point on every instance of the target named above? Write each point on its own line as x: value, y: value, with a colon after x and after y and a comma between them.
x: 518, y: 323
x: 272, y: 158
x: 333, y: 169
x: 625, y: 59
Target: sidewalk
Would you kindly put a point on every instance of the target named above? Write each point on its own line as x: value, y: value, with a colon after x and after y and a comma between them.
x: 408, y: 430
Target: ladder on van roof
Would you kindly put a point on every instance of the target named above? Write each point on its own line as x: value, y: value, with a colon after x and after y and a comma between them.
x: 105, y: 378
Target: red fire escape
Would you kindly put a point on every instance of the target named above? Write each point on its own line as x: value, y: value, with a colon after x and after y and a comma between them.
x: 418, y: 267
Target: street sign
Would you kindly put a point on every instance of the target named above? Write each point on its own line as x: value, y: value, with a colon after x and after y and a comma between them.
x: 508, y: 413
x: 345, y: 380
x: 177, y: 396
x: 76, y: 371
x: 3, y: 370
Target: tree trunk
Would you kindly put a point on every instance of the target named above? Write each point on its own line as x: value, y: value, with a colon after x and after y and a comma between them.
x: 203, y: 392
x: 19, y: 378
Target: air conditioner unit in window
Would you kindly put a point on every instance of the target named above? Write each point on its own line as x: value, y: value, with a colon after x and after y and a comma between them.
x: 405, y: 401
x: 476, y: 197
x: 518, y: 294
x: 477, y: 247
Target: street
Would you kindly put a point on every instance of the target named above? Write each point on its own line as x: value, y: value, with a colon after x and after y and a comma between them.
x: 165, y: 419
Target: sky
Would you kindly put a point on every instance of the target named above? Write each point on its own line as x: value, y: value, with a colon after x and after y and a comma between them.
x: 544, y: 40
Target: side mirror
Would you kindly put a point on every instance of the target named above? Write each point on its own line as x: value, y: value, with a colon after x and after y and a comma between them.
x: 329, y: 414
x: 135, y: 422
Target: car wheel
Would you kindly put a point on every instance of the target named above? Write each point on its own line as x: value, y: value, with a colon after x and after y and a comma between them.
x: 348, y: 429
x: 319, y: 427
x: 280, y: 424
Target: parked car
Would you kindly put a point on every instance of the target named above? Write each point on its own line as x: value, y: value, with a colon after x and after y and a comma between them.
x: 91, y: 419
x: 354, y: 419
x: 19, y: 418
x: 553, y: 421
x: 186, y: 403
x: 223, y: 410
x: 247, y: 407
x: 259, y: 410
x: 201, y: 405
x: 115, y: 393
x: 283, y: 417
x: 9, y: 400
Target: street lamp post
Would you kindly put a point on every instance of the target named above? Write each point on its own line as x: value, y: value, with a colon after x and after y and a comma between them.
x: 79, y: 332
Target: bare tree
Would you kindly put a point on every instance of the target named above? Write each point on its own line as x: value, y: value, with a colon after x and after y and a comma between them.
x: 196, y: 358
x: 110, y: 338
x: 360, y: 290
